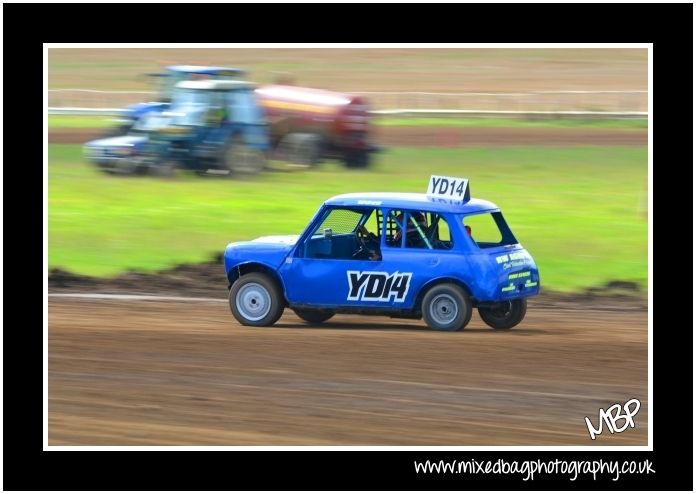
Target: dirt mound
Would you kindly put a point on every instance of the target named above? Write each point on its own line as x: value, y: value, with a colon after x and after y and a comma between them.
x: 208, y: 280
x: 186, y: 280
x: 73, y: 136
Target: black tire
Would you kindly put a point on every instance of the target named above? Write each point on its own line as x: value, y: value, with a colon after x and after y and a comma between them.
x: 256, y: 300
x: 106, y: 168
x: 357, y: 159
x: 125, y: 166
x: 314, y: 316
x: 240, y: 159
x: 446, y: 307
x: 141, y: 166
x: 301, y: 150
x: 504, y: 315
x: 164, y: 169
x: 305, y: 151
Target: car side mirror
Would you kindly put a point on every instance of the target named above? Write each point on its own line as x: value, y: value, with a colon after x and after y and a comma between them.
x: 328, y: 232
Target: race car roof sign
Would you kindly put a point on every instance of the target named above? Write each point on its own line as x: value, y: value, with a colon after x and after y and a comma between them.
x: 451, y: 189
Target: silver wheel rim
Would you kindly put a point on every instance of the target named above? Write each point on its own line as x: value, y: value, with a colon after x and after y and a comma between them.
x: 253, y: 302
x: 443, y: 309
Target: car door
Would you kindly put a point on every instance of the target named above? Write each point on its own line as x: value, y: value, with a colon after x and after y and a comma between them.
x: 323, y: 272
x: 412, y: 257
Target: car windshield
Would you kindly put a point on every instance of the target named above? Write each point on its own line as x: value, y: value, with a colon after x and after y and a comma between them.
x: 340, y: 221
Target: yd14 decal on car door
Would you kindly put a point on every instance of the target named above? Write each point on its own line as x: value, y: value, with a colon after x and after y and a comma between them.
x: 378, y: 286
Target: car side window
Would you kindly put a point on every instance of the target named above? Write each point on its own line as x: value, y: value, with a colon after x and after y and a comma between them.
x: 488, y: 230
x: 346, y: 233
x: 424, y: 230
x: 439, y: 233
x: 407, y: 229
x: 417, y: 228
x: 393, y: 225
x: 373, y: 223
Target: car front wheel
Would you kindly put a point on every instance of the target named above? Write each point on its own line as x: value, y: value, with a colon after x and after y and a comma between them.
x: 446, y: 307
x: 256, y: 300
x: 504, y: 315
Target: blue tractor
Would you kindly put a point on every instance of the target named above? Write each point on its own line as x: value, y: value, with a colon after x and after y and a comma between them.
x: 210, y: 126
x: 165, y: 82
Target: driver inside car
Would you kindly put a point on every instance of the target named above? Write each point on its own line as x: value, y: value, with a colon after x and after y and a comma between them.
x: 368, y: 244
x: 415, y: 230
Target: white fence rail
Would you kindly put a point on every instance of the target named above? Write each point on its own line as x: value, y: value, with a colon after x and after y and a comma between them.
x: 608, y: 103
x: 555, y: 101
x: 406, y: 112
x: 67, y: 110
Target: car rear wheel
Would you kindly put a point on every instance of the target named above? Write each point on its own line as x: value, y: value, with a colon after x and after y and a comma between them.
x: 446, y: 307
x: 504, y: 315
x: 256, y: 300
x: 314, y: 316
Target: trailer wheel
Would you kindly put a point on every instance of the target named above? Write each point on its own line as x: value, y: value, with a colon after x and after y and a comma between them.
x: 240, y: 159
x: 356, y: 159
x: 300, y: 149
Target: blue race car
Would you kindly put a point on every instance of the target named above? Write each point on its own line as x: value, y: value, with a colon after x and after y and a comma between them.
x: 434, y: 256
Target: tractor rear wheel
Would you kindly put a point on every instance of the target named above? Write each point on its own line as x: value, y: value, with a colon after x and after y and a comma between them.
x: 240, y: 159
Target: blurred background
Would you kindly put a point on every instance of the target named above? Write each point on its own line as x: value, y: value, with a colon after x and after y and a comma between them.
x: 556, y: 137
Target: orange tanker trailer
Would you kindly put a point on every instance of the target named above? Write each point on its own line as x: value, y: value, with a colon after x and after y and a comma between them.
x: 307, y: 125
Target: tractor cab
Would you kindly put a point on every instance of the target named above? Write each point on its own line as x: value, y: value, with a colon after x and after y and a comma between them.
x: 165, y: 83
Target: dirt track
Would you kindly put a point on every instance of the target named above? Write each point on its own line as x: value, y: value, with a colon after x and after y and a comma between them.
x: 453, y: 136
x: 181, y: 373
